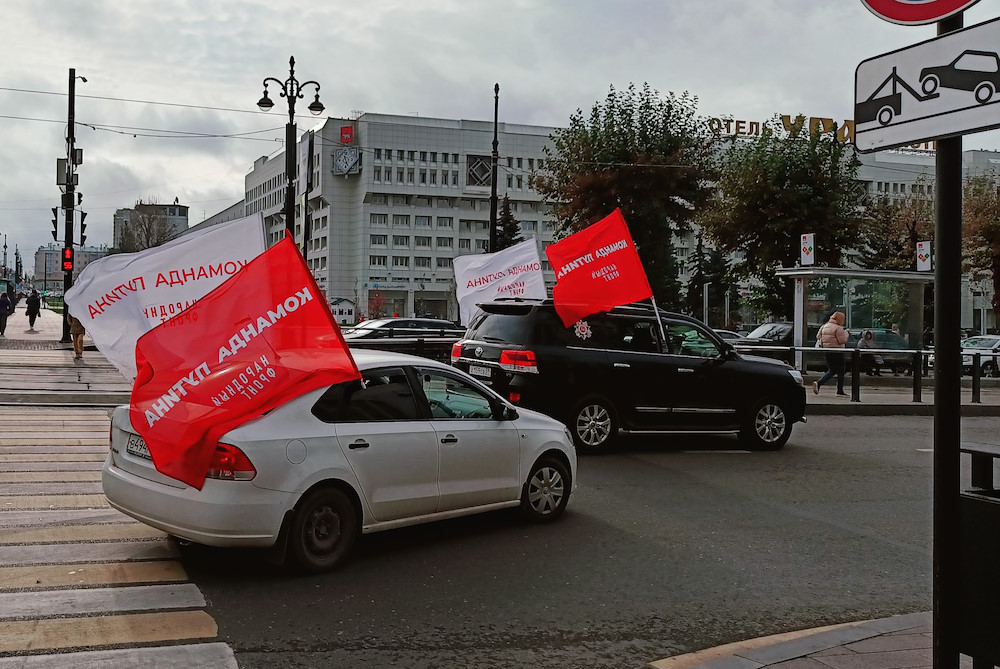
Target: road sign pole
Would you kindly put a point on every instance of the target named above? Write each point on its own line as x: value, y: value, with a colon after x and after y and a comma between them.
x: 947, y: 392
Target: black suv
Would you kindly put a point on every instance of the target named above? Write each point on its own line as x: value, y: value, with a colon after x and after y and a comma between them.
x: 613, y: 372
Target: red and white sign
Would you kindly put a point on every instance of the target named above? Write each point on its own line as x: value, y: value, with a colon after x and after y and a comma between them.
x: 596, y: 269
x: 346, y: 134
x: 924, y: 257
x: 807, y: 250
x: 916, y: 12
x: 263, y: 337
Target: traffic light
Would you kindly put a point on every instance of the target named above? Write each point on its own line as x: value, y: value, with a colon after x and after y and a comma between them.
x: 67, y: 258
x: 83, y: 228
x: 55, y: 224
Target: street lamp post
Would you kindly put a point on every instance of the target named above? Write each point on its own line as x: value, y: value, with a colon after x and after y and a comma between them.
x: 290, y: 89
x: 495, y: 159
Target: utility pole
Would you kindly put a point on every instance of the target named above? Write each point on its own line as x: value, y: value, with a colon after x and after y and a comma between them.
x: 493, y: 176
x: 69, y: 198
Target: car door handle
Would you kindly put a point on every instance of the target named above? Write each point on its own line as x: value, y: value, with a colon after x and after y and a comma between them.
x: 623, y: 365
x: 449, y: 439
x: 360, y: 443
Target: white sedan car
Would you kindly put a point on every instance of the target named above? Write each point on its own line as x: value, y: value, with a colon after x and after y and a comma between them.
x: 419, y: 442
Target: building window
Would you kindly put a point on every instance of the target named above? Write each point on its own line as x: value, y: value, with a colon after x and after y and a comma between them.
x: 482, y: 244
x: 519, y: 165
x: 399, y: 200
x: 377, y: 173
x: 531, y: 163
x: 378, y: 154
x: 399, y: 175
x: 409, y: 176
x: 423, y: 176
x: 434, y: 156
x: 379, y: 219
x: 444, y: 158
x: 510, y: 181
x: 479, y: 171
x: 510, y: 162
x: 434, y: 177
x: 465, y: 244
x: 519, y: 181
x: 400, y: 240
x: 422, y: 261
x: 378, y: 240
x: 409, y: 155
x: 445, y: 221
x: 445, y: 242
x: 540, y: 163
x: 528, y: 226
x: 400, y: 261
x: 423, y: 156
x: 401, y: 220
x: 454, y: 178
x: 443, y: 262
x: 423, y: 221
x: 376, y: 261
x: 399, y: 154
x: 422, y: 241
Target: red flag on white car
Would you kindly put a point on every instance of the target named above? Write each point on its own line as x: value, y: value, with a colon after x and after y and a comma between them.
x: 264, y: 336
x: 596, y: 269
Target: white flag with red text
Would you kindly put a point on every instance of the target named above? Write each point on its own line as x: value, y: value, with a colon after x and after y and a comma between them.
x: 515, y: 271
x: 120, y: 297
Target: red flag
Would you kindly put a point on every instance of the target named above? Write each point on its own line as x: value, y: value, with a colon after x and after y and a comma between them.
x: 596, y: 269
x: 264, y: 336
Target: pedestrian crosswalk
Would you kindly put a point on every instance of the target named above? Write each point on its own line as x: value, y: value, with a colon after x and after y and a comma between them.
x: 82, y: 585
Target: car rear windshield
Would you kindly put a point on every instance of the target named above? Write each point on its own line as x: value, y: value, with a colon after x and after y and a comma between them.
x: 502, y: 327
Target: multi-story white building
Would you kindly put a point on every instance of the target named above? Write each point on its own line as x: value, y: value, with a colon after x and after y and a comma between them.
x: 172, y: 217
x: 48, y: 264
x: 385, y: 203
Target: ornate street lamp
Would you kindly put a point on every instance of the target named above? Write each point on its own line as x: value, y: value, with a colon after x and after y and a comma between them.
x: 291, y: 89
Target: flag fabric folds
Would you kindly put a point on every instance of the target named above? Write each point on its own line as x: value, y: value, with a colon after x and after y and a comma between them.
x: 120, y: 297
x: 596, y: 269
x: 263, y: 337
x: 512, y: 272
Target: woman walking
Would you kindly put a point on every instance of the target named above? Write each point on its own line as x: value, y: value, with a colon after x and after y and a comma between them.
x: 833, y: 336
x: 34, y: 307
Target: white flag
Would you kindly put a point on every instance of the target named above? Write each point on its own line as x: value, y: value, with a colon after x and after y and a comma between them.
x: 121, y: 297
x: 513, y: 272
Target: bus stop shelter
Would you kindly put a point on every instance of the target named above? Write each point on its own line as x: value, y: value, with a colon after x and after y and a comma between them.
x: 809, y: 310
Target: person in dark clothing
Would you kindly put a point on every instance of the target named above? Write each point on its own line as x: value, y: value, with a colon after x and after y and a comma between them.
x: 34, y: 308
x: 6, y: 309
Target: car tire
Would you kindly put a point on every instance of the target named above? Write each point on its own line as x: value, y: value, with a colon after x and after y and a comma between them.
x: 984, y: 92
x: 767, y: 426
x: 929, y: 85
x: 546, y: 491
x: 594, y: 425
x: 323, y: 530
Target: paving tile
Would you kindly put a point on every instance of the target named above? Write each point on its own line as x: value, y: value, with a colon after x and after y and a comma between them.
x: 799, y: 663
x: 900, y: 659
x: 887, y: 642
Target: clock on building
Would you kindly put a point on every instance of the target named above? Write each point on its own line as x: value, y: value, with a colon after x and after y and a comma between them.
x: 345, y: 160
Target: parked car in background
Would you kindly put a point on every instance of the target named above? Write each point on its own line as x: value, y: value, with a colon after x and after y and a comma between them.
x: 728, y: 335
x: 404, y: 327
x: 418, y: 441
x: 985, y: 345
x: 894, y: 353
x: 781, y: 334
x: 613, y: 373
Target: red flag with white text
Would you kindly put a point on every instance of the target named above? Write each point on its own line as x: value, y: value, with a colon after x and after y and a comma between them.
x: 596, y: 269
x: 264, y: 336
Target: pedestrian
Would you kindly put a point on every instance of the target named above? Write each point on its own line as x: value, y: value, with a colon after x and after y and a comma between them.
x: 34, y: 307
x: 832, y: 335
x: 77, y: 330
x: 873, y: 361
x: 6, y: 309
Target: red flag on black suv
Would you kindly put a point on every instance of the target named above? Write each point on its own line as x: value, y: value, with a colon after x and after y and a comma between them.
x: 264, y: 336
x: 596, y: 269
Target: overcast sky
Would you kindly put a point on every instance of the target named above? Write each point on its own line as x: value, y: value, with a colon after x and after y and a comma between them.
x: 202, y: 63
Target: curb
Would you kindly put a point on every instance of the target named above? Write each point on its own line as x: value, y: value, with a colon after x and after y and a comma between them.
x: 765, y: 651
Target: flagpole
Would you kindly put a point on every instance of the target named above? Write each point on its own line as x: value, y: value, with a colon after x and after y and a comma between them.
x: 656, y: 310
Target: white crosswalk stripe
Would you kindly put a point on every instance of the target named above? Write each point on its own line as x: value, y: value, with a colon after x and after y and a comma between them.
x: 82, y: 585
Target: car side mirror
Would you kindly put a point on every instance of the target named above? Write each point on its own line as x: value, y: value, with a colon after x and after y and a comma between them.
x: 504, y: 412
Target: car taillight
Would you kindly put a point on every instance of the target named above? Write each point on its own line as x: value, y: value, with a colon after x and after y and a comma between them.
x: 519, y: 361
x: 456, y: 352
x: 515, y: 398
x: 230, y: 464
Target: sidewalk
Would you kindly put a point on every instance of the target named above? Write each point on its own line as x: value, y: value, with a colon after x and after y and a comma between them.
x: 45, y: 336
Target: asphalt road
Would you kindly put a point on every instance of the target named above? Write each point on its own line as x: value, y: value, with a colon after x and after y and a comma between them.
x: 667, y: 547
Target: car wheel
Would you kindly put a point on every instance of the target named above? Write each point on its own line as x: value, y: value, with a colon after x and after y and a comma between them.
x: 885, y: 115
x: 595, y: 425
x: 323, y: 530
x: 929, y: 85
x: 984, y: 92
x: 546, y: 491
x: 767, y: 427
x: 990, y: 369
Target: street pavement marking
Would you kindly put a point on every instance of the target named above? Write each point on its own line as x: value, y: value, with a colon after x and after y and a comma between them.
x: 189, y: 656
x: 61, y: 517
x: 50, y: 477
x: 113, y: 551
x: 55, y: 441
x: 105, y: 630
x: 93, y: 465
x: 56, y: 534
x: 55, y: 457
x: 52, y: 502
x: 71, y: 488
x: 60, y: 575
x: 90, y: 601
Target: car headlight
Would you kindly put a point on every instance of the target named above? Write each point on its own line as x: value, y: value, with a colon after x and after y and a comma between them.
x: 795, y: 374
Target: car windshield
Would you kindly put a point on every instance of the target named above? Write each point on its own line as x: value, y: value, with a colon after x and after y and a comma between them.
x: 772, y: 331
x: 980, y: 342
x: 371, y: 325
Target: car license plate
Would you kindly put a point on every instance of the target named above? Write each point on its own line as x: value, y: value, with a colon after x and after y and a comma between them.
x: 479, y: 370
x: 137, y: 446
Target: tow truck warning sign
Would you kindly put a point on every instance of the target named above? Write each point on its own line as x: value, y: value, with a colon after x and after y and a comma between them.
x: 942, y: 87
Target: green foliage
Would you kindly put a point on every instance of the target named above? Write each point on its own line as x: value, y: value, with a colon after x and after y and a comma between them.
x: 981, y: 231
x: 773, y: 188
x: 891, y: 229
x: 508, y: 228
x: 644, y: 153
x: 708, y: 266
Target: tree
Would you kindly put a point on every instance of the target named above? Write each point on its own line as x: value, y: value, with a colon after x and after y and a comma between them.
x: 981, y: 230
x: 147, y: 226
x: 644, y: 153
x: 376, y: 302
x: 773, y: 188
x: 707, y: 266
x: 891, y: 229
x: 508, y: 229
